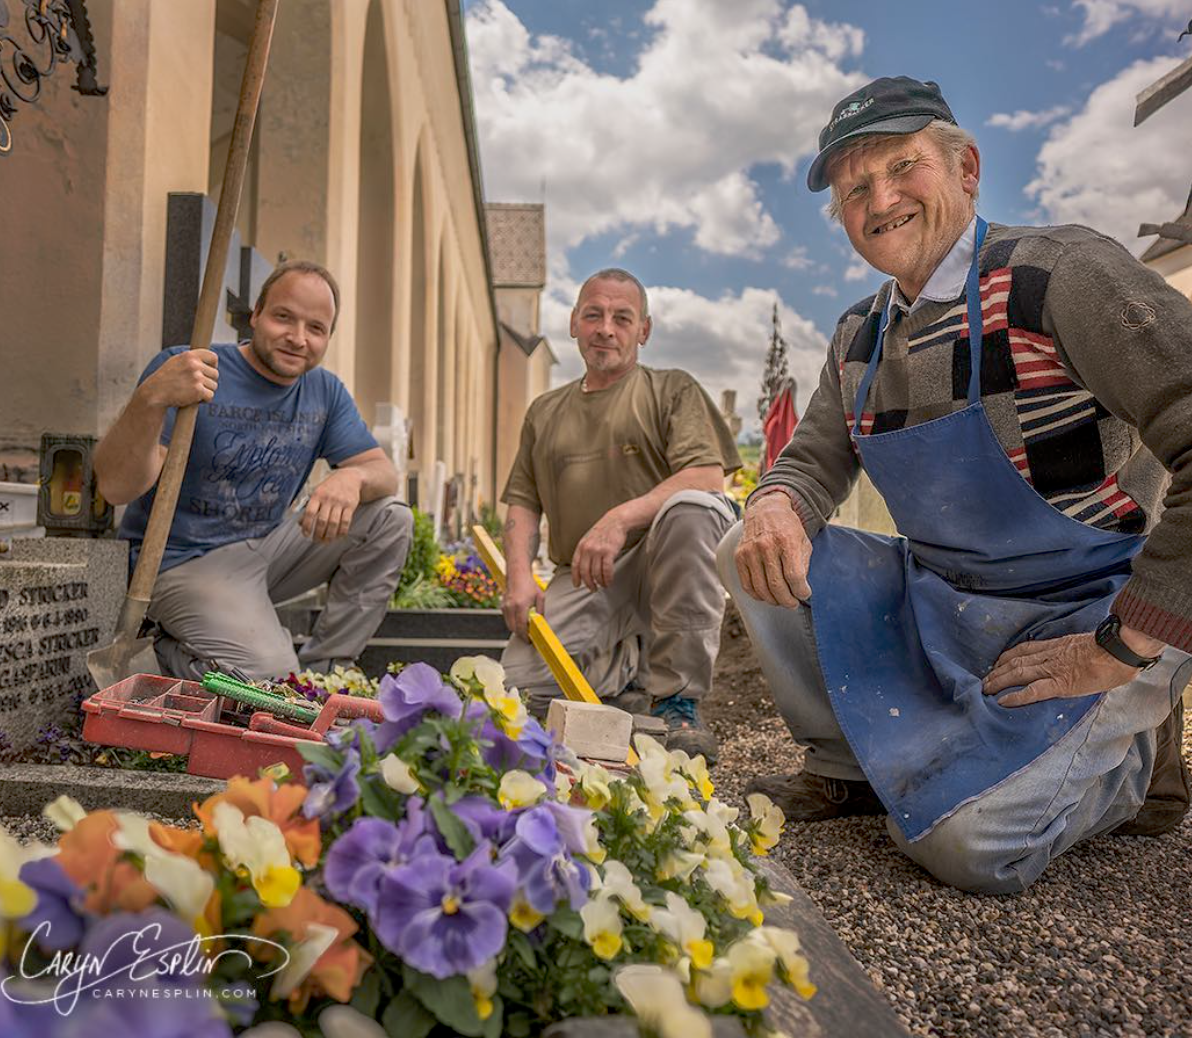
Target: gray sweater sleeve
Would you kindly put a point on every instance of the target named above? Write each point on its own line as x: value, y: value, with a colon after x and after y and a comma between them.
x: 818, y: 467
x: 1126, y: 335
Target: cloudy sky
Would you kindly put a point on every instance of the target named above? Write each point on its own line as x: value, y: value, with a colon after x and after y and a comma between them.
x: 673, y: 137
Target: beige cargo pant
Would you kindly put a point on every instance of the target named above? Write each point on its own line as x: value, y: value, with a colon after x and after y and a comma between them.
x: 218, y: 608
x: 657, y: 624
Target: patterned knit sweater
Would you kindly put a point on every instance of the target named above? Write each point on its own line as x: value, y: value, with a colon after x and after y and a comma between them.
x: 1086, y: 376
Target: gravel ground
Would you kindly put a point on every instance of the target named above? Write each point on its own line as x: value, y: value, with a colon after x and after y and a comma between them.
x: 1100, y: 946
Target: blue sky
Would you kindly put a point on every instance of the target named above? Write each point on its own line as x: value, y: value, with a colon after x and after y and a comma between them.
x: 672, y: 137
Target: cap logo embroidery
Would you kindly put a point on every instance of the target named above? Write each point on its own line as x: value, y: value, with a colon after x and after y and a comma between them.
x: 849, y: 110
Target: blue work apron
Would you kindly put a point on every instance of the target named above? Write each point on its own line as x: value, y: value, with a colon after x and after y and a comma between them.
x: 907, y: 627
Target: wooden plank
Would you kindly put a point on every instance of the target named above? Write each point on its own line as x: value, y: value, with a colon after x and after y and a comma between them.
x: 1163, y: 90
x: 847, y: 1003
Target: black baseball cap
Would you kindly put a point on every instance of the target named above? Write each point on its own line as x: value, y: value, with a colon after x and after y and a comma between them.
x: 896, y: 104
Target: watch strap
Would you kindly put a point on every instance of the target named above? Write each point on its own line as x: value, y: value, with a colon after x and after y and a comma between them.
x: 1109, y: 637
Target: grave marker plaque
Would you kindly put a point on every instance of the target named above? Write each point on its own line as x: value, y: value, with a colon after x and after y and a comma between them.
x: 58, y: 600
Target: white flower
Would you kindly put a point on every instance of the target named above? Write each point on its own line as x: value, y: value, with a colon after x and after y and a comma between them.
x: 769, y: 818
x: 398, y: 775
x: 602, y: 925
x: 182, y: 881
x: 658, y: 770
x: 303, y: 958
x: 656, y: 995
x: 714, y: 986
x: 618, y: 883
x: 342, y: 1022
x: 735, y: 884
x: 65, y: 813
x: 696, y: 769
x: 484, y: 669
x: 680, y: 864
x: 785, y: 945
x: 592, y: 841
x: 519, y: 789
x: 713, y: 826
x: 593, y: 783
x: 483, y: 982
x: 685, y: 928
x: 257, y: 846
x: 562, y: 786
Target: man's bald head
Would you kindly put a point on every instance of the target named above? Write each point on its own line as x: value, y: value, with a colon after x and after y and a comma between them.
x: 616, y: 274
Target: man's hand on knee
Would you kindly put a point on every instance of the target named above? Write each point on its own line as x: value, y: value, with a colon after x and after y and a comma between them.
x: 774, y: 553
x: 516, y: 603
x: 328, y: 513
x: 596, y: 554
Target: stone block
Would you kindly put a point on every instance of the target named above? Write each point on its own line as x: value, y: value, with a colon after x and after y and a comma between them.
x: 648, y: 724
x: 26, y: 788
x: 590, y: 730
x: 59, y: 599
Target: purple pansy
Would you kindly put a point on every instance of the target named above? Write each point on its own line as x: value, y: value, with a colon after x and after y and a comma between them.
x: 59, y: 904
x: 329, y: 791
x: 484, y: 820
x: 405, y: 698
x: 445, y: 917
x: 371, y: 848
x: 546, y: 837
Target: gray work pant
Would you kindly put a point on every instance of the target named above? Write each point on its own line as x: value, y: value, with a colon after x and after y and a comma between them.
x: 659, y: 620
x: 1090, y: 781
x: 219, y: 607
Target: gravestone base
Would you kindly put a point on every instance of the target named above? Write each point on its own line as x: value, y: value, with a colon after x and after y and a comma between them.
x: 59, y: 599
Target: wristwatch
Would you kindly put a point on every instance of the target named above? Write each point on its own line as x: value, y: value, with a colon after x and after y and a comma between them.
x: 1109, y: 637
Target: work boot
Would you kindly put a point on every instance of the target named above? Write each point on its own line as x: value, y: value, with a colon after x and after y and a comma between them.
x: 684, y: 729
x: 1170, y: 790
x: 632, y: 700
x: 804, y: 797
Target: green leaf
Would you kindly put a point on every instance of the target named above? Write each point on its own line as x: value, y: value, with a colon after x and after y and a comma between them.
x: 518, y: 1025
x: 405, y: 1016
x: 320, y: 754
x: 521, y: 947
x: 379, y: 800
x: 457, y: 836
x: 367, y: 996
x: 568, y: 923
x: 450, y: 1000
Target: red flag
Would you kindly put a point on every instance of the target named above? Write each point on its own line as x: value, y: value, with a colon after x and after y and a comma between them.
x: 778, y: 426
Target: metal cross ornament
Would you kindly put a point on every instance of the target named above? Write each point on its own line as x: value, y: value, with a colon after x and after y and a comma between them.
x: 54, y: 32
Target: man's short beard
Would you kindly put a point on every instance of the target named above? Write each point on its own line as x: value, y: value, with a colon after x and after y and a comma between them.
x: 265, y: 359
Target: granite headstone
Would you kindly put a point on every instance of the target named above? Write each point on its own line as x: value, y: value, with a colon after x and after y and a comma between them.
x: 59, y: 598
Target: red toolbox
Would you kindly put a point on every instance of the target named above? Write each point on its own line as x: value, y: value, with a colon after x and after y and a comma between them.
x: 220, y: 737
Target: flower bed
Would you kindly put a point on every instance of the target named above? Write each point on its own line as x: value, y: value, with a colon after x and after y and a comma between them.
x: 442, y: 577
x: 450, y: 870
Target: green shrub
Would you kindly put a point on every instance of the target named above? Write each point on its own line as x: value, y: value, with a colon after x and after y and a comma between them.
x: 424, y: 554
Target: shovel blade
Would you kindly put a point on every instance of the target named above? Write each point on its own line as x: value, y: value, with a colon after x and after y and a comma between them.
x: 123, y: 658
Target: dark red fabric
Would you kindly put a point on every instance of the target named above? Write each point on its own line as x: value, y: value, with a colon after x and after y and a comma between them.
x: 778, y: 426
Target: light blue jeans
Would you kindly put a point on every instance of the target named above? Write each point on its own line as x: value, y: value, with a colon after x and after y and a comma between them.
x: 1090, y: 781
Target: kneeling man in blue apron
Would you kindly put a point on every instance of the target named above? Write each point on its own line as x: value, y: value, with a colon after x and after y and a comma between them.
x: 1003, y: 680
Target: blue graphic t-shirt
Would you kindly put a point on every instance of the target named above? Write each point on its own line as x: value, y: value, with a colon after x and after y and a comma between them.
x: 254, y: 446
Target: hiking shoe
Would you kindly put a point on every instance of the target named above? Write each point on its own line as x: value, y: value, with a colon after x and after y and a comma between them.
x: 684, y: 729
x: 632, y: 700
x: 1170, y: 790
x: 815, y: 798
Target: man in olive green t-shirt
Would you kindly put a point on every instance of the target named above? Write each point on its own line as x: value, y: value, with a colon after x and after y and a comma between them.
x: 628, y: 464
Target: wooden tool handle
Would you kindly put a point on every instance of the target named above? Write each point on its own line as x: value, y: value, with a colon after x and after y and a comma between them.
x: 169, y: 483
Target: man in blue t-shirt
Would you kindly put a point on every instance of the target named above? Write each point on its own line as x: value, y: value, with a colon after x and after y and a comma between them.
x: 267, y: 412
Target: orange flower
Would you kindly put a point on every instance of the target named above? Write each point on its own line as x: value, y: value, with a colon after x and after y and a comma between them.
x: 280, y: 804
x: 90, y: 858
x: 339, y: 969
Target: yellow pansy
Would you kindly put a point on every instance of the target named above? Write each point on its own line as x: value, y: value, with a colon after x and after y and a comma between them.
x: 656, y: 996
x: 696, y: 770
x: 618, y: 882
x: 686, y: 928
x: 258, y: 847
x: 680, y: 864
x: 785, y: 945
x: 769, y: 819
x: 733, y: 883
x: 522, y: 915
x: 519, y: 789
x: 593, y: 784
x: 602, y: 926
x: 752, y: 964
x: 483, y: 982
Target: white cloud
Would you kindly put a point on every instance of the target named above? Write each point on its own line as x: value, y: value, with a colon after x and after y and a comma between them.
x: 1102, y: 15
x: 825, y: 290
x: 1098, y: 169
x: 1024, y: 120
x: 798, y: 259
x: 722, y: 342
x: 857, y: 270
x: 718, y: 89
